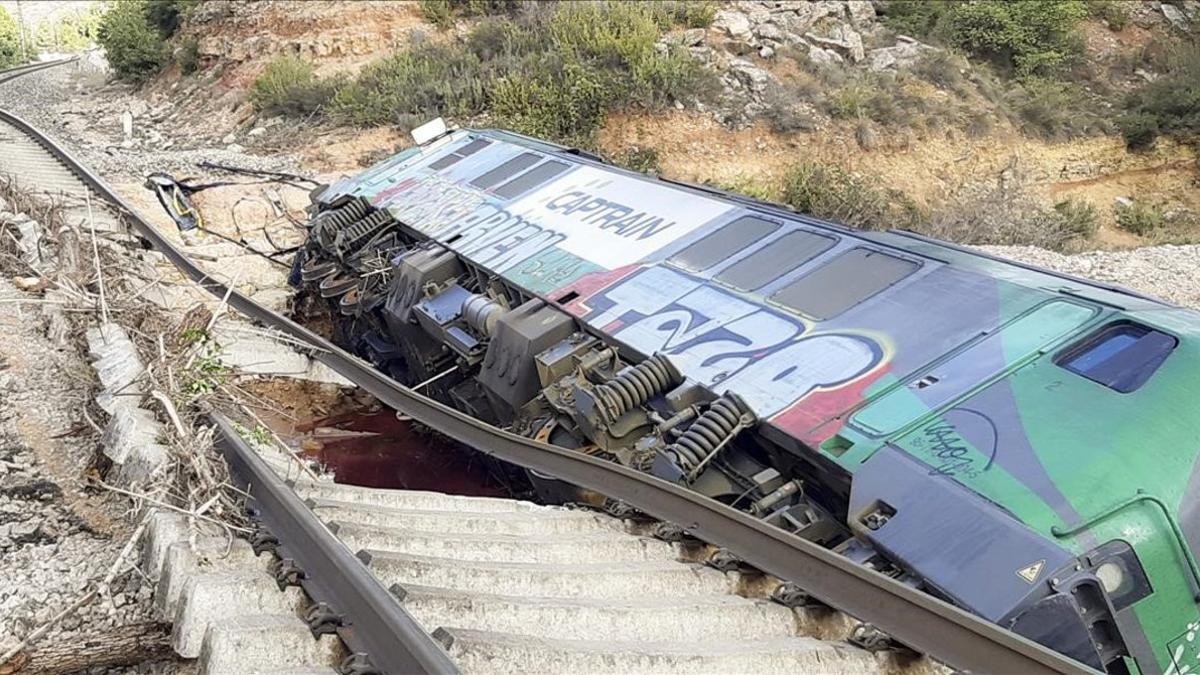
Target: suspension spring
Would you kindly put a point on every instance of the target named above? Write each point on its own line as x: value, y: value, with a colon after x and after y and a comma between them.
x: 635, y: 385
x: 351, y: 237
x: 346, y: 213
x: 708, y: 434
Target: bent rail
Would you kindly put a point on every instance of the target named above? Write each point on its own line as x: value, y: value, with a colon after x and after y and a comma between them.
x: 914, y: 618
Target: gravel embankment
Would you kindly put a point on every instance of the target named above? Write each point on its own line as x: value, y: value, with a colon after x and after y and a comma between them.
x: 1170, y: 272
x: 74, y: 105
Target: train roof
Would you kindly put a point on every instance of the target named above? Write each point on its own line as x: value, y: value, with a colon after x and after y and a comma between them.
x: 664, y: 266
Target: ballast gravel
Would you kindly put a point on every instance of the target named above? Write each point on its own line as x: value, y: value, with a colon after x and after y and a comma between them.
x: 1169, y: 272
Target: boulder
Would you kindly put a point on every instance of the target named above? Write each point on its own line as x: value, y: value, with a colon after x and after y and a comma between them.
x: 751, y: 76
x: 735, y: 24
x: 862, y: 12
x: 843, y: 40
x: 824, y: 57
x: 768, y: 31
x: 693, y: 37
x: 1176, y: 16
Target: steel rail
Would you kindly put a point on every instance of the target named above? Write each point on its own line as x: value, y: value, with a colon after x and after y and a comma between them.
x: 373, y: 621
x: 916, y: 619
x: 17, y: 71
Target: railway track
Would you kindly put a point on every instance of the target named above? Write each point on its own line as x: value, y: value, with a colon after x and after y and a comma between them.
x: 503, y: 585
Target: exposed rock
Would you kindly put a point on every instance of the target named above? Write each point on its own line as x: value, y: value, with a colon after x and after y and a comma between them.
x: 862, y: 12
x: 1176, y: 16
x: 689, y: 38
x: 769, y: 31
x: 903, y: 54
x: 766, y: 52
x: 824, y: 57
x: 842, y: 39
x: 735, y: 24
x: 754, y: 78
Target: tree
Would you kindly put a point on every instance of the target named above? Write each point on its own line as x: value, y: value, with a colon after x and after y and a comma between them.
x: 135, y: 49
x: 10, y: 40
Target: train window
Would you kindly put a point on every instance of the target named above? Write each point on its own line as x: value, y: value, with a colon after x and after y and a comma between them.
x: 506, y: 170
x: 843, y: 282
x: 531, y: 178
x: 727, y: 241
x: 465, y: 151
x: 776, y: 259
x: 1120, y: 356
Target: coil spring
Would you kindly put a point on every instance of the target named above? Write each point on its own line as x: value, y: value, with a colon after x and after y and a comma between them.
x: 706, y: 434
x: 351, y: 237
x: 326, y: 225
x: 634, y: 386
x: 347, y: 213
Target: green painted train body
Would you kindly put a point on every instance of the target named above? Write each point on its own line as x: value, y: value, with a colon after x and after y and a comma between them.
x: 1021, y: 443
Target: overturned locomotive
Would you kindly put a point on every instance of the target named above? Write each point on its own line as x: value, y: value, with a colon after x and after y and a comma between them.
x: 1017, y: 442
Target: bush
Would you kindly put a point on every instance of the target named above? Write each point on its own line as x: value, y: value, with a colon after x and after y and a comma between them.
x: 135, y: 49
x: 10, y: 40
x: 441, y: 13
x: 750, y: 187
x: 426, y: 81
x: 1170, y: 105
x: 1140, y: 218
x: 1055, y: 110
x: 1076, y: 219
x: 1140, y: 129
x: 1113, y: 12
x: 1009, y: 216
x: 639, y: 158
x: 188, y: 57
x: 166, y: 15
x: 288, y: 86
x: 1026, y: 37
x: 829, y: 191
x: 554, y: 73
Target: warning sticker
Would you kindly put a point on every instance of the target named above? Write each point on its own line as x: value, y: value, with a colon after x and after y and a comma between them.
x: 1030, y: 573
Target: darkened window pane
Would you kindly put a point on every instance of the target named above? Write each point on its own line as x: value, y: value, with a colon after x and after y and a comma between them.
x: 531, y: 178
x: 506, y: 170
x: 468, y: 149
x: 473, y: 147
x: 444, y: 162
x: 843, y: 282
x: 775, y: 259
x: 1120, y: 356
x: 723, y: 243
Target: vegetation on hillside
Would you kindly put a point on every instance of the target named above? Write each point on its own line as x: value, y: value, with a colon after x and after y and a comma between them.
x: 552, y: 71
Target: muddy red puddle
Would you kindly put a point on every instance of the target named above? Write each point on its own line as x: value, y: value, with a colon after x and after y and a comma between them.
x: 379, y: 450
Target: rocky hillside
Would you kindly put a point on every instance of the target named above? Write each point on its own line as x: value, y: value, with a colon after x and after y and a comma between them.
x: 926, y: 126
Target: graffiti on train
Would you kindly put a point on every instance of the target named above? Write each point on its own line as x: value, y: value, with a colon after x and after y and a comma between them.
x: 726, y: 343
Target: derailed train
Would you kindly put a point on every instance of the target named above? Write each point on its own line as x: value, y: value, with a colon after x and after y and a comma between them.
x: 1020, y: 443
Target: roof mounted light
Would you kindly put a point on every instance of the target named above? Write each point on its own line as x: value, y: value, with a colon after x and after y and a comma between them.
x: 430, y: 131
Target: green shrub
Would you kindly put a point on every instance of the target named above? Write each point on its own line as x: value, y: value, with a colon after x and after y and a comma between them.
x: 441, y: 13
x: 829, y: 191
x: 10, y: 40
x: 1055, y: 110
x: 437, y: 12
x: 692, y: 13
x: 1140, y: 129
x: 1027, y: 37
x: 135, y: 49
x: 1076, y: 219
x: 1170, y: 105
x: 750, y: 187
x: 639, y: 158
x: 166, y: 15
x: 1113, y: 12
x: 1008, y: 215
x: 288, y: 86
x: 426, y: 81
x: 1140, y: 218
x: 188, y: 56
x: 553, y: 73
